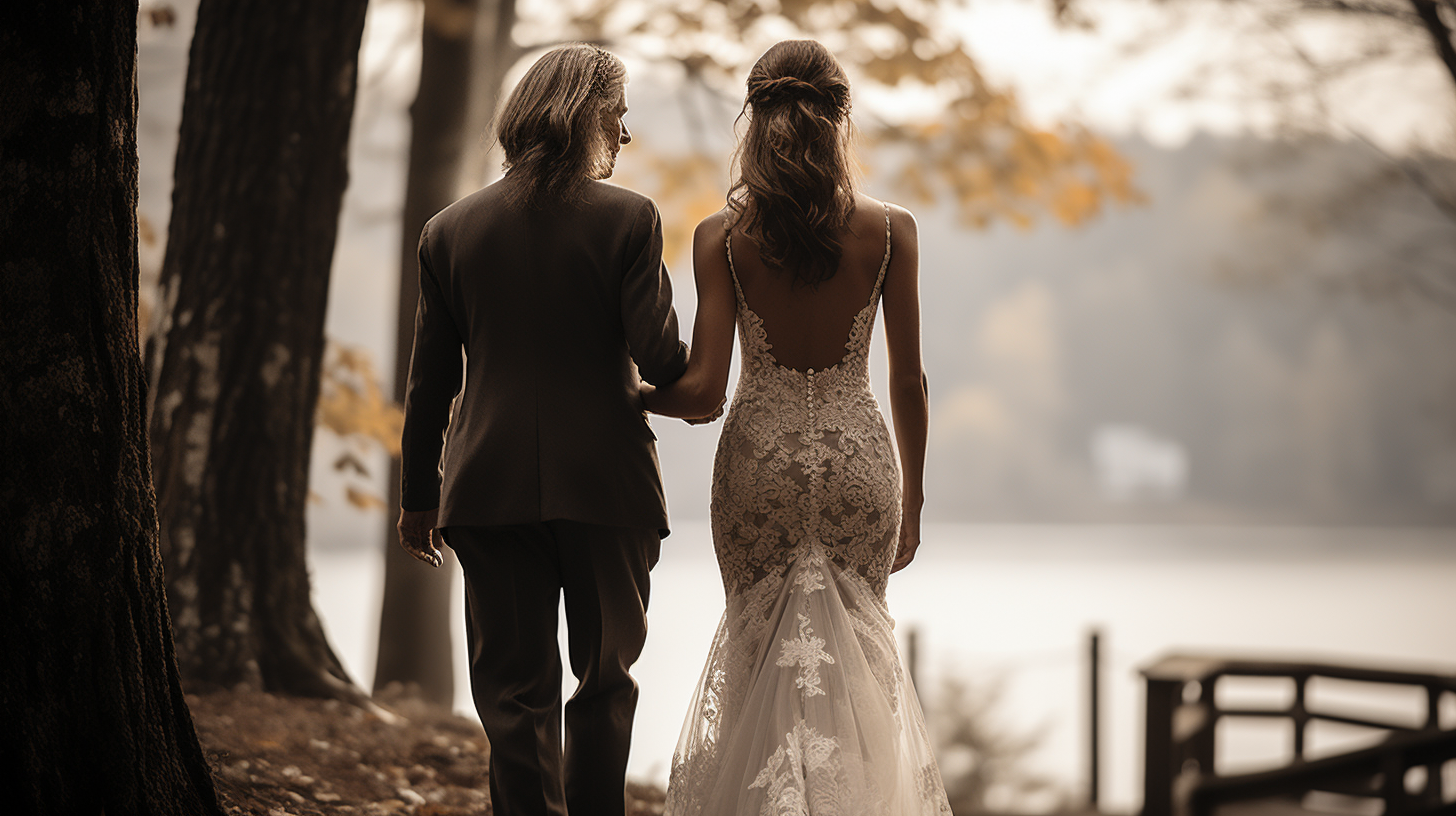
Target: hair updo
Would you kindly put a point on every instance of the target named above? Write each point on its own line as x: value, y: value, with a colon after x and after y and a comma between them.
x: 551, y: 128
x: 794, y: 185
x: 765, y: 92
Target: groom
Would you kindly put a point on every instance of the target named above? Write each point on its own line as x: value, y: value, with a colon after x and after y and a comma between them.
x: 553, y: 284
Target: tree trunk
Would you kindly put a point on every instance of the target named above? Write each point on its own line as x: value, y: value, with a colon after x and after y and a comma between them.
x: 495, y: 53
x: 260, y: 175
x: 414, y: 618
x: 91, y: 705
x: 452, y: 108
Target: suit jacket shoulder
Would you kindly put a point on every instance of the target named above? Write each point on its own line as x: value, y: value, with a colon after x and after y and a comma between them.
x: 621, y: 196
x: 599, y: 199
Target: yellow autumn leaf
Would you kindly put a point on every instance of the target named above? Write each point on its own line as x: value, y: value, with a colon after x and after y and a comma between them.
x: 352, y: 402
x: 363, y: 500
x: 1075, y: 202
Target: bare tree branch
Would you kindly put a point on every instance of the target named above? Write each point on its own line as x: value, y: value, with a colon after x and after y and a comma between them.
x: 1374, y: 9
x: 1430, y: 15
x: 1420, y: 180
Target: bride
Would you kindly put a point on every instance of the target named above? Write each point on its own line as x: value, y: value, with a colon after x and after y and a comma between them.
x: 803, y: 707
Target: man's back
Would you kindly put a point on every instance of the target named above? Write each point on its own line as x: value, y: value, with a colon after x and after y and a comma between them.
x: 553, y: 306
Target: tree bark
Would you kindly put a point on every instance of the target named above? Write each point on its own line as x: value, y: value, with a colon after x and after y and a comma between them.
x: 466, y: 51
x: 260, y: 175
x: 91, y: 705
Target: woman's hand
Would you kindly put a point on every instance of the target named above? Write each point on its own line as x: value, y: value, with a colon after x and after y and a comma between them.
x: 717, y: 412
x: 418, y: 536
x: 645, y: 393
x: 909, y: 541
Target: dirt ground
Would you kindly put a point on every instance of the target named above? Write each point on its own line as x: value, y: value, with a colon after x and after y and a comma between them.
x: 277, y: 756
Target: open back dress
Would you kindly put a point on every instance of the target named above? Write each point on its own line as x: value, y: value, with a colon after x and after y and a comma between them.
x: 804, y: 707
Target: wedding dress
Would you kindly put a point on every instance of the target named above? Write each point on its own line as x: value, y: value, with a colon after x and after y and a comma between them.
x: 803, y: 708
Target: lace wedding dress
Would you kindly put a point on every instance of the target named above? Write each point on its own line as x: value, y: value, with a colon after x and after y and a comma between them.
x: 803, y: 707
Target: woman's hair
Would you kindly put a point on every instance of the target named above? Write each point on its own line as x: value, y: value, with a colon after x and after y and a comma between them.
x: 553, y: 126
x: 794, y: 189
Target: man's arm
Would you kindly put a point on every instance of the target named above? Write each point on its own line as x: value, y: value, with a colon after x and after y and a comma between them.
x: 434, y: 380
x: 647, y: 314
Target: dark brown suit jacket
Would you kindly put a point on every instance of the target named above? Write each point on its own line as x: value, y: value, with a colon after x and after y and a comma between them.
x: 553, y: 307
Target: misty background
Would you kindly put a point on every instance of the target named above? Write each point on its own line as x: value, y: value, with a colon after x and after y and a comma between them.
x: 1231, y: 351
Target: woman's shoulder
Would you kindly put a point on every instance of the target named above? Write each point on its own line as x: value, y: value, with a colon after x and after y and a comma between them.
x: 709, y: 241
x: 872, y: 218
x: 870, y: 209
x: 714, y: 226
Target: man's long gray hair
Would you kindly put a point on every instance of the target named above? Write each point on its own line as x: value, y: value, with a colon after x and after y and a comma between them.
x: 552, y: 128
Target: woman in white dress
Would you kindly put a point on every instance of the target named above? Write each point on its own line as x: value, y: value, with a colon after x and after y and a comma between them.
x: 803, y: 707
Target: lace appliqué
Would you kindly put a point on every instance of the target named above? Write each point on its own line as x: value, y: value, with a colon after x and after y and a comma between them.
x: 811, y: 579
x: 805, y: 754
x: 807, y: 652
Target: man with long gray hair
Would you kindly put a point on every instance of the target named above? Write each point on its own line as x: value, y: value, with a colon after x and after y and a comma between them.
x: 552, y: 281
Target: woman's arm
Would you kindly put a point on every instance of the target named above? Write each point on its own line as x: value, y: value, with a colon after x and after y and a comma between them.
x: 909, y: 403
x: 699, y: 392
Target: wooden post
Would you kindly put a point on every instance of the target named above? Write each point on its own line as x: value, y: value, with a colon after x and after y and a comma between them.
x: 1300, y: 715
x: 1094, y: 704
x: 1201, y: 744
x: 1435, y: 793
x: 1159, y: 759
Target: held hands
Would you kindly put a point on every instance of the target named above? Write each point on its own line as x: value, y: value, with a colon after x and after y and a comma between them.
x: 645, y: 396
x: 909, y: 541
x: 418, y: 536
x: 717, y: 412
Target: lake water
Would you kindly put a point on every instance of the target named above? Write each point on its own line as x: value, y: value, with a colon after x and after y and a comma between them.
x: 1010, y: 607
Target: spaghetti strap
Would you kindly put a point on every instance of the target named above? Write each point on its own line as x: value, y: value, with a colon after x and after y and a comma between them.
x: 884, y: 264
x: 732, y: 272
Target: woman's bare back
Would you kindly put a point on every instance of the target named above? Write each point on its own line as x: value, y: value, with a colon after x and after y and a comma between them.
x: 808, y: 326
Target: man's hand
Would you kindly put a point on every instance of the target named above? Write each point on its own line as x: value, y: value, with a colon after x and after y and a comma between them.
x: 418, y: 536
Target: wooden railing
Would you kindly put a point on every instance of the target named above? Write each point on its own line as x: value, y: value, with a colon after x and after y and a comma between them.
x: 1183, y: 713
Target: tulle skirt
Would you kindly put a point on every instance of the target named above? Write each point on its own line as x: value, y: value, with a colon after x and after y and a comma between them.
x: 804, y: 708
